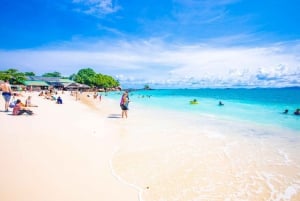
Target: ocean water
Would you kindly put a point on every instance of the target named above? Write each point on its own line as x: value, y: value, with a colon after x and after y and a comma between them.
x: 245, y: 150
x: 259, y: 105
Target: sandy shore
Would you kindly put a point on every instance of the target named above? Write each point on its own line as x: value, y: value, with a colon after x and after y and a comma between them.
x: 61, y: 153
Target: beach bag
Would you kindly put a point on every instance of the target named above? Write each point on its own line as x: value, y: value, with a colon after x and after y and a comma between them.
x: 12, y: 104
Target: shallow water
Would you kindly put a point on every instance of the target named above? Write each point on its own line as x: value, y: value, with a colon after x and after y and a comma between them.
x: 185, y: 154
x: 263, y: 106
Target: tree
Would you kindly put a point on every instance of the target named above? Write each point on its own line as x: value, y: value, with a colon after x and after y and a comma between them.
x: 146, y: 87
x: 89, y: 77
x: 86, y: 76
x: 13, y: 75
x: 4, y: 75
x: 53, y: 74
x: 72, y: 77
x: 105, y: 81
x: 29, y: 73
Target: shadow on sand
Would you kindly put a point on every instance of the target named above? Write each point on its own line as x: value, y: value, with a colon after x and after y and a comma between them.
x: 114, y: 116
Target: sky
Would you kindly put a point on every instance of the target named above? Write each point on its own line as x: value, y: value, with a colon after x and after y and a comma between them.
x: 163, y: 43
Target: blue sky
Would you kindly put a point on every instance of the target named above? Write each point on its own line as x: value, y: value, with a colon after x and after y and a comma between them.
x: 166, y: 43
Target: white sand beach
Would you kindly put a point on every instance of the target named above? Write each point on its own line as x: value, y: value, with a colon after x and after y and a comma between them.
x: 62, y: 152
x: 77, y: 151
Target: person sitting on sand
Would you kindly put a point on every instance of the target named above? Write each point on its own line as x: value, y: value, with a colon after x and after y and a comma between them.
x: 28, y: 102
x: 297, y: 112
x: 19, y: 109
x: 59, y: 100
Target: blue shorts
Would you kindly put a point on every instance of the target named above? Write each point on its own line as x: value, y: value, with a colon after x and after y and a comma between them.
x: 124, y: 107
x: 6, y: 96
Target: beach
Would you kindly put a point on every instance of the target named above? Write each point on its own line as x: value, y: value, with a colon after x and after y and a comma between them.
x: 83, y: 150
x: 62, y: 152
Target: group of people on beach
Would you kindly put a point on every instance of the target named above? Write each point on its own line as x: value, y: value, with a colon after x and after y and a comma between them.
x: 18, y: 107
x: 12, y: 101
x: 51, y: 95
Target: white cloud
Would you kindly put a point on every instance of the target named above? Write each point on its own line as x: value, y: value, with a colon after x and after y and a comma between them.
x: 96, y: 7
x: 155, y: 62
x: 202, y: 12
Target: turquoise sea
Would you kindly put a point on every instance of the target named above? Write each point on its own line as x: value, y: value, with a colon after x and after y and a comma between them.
x: 246, y: 149
x: 258, y: 105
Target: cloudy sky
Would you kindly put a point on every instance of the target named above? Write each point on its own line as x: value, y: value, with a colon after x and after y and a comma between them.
x: 163, y: 43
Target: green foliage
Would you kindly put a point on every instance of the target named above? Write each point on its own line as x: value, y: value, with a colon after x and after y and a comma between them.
x: 85, y: 76
x: 105, y: 81
x: 13, y: 75
x: 72, y: 77
x: 4, y: 75
x: 53, y: 74
x: 146, y: 87
x: 89, y: 77
x: 29, y: 73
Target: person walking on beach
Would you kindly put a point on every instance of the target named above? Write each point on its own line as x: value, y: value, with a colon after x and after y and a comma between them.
x: 6, y: 93
x: 124, y: 104
x: 100, y: 96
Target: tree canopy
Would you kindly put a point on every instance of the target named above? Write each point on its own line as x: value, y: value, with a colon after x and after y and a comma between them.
x: 29, y: 73
x: 13, y: 75
x: 89, y: 77
x: 84, y: 76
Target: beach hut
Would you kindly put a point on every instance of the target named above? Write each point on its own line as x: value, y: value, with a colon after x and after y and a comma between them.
x: 59, y: 82
x: 36, y: 85
x: 76, y: 86
x: 55, y: 82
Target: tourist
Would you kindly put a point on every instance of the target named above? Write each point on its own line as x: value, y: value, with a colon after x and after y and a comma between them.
x: 124, y: 104
x: 59, y: 100
x: 6, y: 93
x: 19, y: 109
x: 28, y: 102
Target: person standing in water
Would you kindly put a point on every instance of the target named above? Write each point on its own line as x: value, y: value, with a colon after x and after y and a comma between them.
x: 6, y: 93
x: 124, y: 104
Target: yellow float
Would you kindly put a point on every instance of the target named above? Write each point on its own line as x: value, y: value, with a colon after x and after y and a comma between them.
x: 193, y: 102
